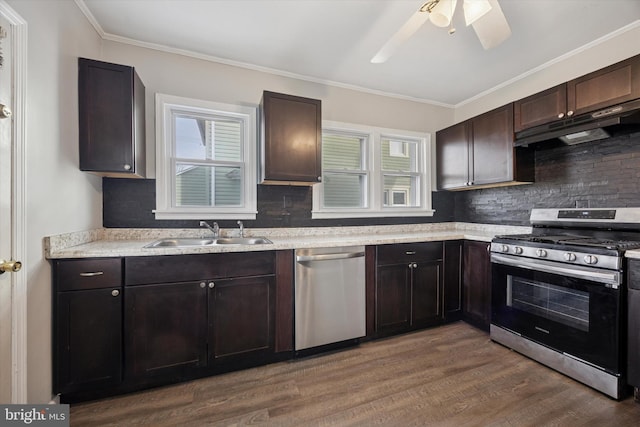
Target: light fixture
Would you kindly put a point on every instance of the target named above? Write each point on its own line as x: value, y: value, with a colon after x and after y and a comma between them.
x: 475, y: 9
x: 442, y: 12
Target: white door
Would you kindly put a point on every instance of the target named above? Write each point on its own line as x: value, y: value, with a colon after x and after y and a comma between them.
x: 12, y: 287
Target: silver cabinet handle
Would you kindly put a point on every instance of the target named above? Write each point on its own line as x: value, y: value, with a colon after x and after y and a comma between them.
x: 410, y: 252
x: 203, y: 285
x: 211, y: 285
x: 92, y: 273
x: 329, y: 257
x: 115, y: 293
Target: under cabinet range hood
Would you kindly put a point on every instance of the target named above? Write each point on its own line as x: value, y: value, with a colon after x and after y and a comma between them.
x: 611, y: 121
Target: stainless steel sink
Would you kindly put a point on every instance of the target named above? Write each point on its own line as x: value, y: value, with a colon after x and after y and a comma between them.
x: 242, y: 241
x: 181, y: 242
x: 188, y: 242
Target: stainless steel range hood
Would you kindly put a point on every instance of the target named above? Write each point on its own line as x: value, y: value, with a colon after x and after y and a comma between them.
x: 611, y: 121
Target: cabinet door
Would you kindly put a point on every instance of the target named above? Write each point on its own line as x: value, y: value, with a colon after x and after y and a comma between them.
x: 393, y: 298
x: 477, y: 284
x: 165, y: 329
x: 492, y: 154
x: 541, y: 108
x: 292, y: 138
x: 452, y: 156
x: 241, y: 318
x: 426, y: 307
x: 111, y: 119
x: 612, y: 85
x: 452, y: 279
x: 87, y: 340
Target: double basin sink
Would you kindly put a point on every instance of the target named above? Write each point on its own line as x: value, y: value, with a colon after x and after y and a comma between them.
x: 189, y: 242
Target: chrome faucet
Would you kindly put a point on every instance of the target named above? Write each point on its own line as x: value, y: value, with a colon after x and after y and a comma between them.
x: 215, y: 229
x: 241, y: 228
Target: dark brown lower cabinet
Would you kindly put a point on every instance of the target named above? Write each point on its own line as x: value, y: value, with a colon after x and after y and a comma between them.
x: 393, y: 299
x: 165, y: 329
x: 173, y: 330
x: 241, y: 318
x: 166, y: 324
x: 87, y: 340
x: 426, y: 301
x: 408, y: 293
x: 477, y: 284
x: 87, y: 324
x: 453, y: 280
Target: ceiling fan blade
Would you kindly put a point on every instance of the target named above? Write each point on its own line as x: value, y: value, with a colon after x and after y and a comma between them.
x: 493, y: 28
x: 411, y: 26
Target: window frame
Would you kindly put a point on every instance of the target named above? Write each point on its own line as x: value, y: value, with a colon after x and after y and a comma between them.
x: 169, y: 106
x: 375, y: 184
x: 365, y: 167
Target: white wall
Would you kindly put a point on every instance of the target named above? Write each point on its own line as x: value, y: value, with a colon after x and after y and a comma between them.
x: 595, y: 57
x: 59, y: 197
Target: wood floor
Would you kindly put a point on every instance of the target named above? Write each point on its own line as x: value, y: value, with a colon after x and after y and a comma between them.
x: 447, y: 376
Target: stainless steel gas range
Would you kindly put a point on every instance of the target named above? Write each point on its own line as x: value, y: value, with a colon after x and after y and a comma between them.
x: 558, y: 293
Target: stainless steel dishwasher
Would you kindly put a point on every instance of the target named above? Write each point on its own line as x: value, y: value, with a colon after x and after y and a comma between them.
x: 329, y: 296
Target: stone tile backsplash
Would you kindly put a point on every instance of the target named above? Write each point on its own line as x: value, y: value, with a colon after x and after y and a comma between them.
x: 594, y: 174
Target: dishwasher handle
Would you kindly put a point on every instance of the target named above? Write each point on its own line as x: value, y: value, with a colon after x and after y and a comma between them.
x: 329, y: 257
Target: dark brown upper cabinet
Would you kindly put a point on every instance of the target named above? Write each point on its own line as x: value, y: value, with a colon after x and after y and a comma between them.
x: 480, y: 153
x: 291, y: 140
x: 541, y: 108
x: 609, y: 86
x: 453, y: 156
x: 111, y: 119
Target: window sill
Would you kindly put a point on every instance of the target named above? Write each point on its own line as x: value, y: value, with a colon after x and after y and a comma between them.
x: 203, y: 215
x: 390, y: 213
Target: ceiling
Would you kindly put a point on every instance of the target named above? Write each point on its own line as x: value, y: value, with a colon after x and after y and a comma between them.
x: 333, y: 41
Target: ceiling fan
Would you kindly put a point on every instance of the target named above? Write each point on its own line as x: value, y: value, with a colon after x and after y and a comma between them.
x: 485, y: 16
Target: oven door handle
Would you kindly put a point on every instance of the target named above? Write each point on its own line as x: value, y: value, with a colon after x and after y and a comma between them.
x: 609, y: 278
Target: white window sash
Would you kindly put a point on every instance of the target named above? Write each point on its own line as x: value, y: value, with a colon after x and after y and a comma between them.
x: 375, y: 180
x: 167, y: 107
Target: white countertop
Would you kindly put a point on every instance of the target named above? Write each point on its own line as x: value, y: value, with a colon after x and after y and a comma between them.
x: 635, y: 254
x: 116, y: 242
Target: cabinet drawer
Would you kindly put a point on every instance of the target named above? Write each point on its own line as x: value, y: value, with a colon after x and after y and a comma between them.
x: 186, y: 268
x: 87, y: 273
x: 405, y: 252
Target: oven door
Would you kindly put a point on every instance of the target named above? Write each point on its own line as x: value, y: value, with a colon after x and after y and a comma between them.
x: 572, y: 309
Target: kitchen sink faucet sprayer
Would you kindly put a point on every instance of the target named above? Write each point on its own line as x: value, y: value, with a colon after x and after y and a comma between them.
x: 241, y: 228
x: 215, y: 229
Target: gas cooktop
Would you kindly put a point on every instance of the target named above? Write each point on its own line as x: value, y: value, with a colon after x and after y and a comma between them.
x: 573, y: 240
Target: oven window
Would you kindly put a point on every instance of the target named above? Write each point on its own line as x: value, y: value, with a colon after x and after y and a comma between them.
x: 559, y: 304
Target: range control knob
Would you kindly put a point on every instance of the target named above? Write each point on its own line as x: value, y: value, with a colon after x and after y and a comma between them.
x: 505, y: 248
x: 590, y: 259
x: 518, y: 250
x: 541, y: 253
x: 568, y: 256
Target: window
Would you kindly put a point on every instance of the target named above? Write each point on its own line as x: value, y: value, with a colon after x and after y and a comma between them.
x: 205, y: 153
x: 372, y: 172
x: 345, y: 174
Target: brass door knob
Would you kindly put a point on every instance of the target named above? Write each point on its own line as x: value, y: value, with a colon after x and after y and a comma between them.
x: 10, y: 266
x: 5, y: 112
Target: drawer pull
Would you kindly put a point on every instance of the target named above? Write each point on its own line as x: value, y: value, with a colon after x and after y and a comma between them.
x: 92, y: 274
x: 115, y: 292
x: 410, y: 252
